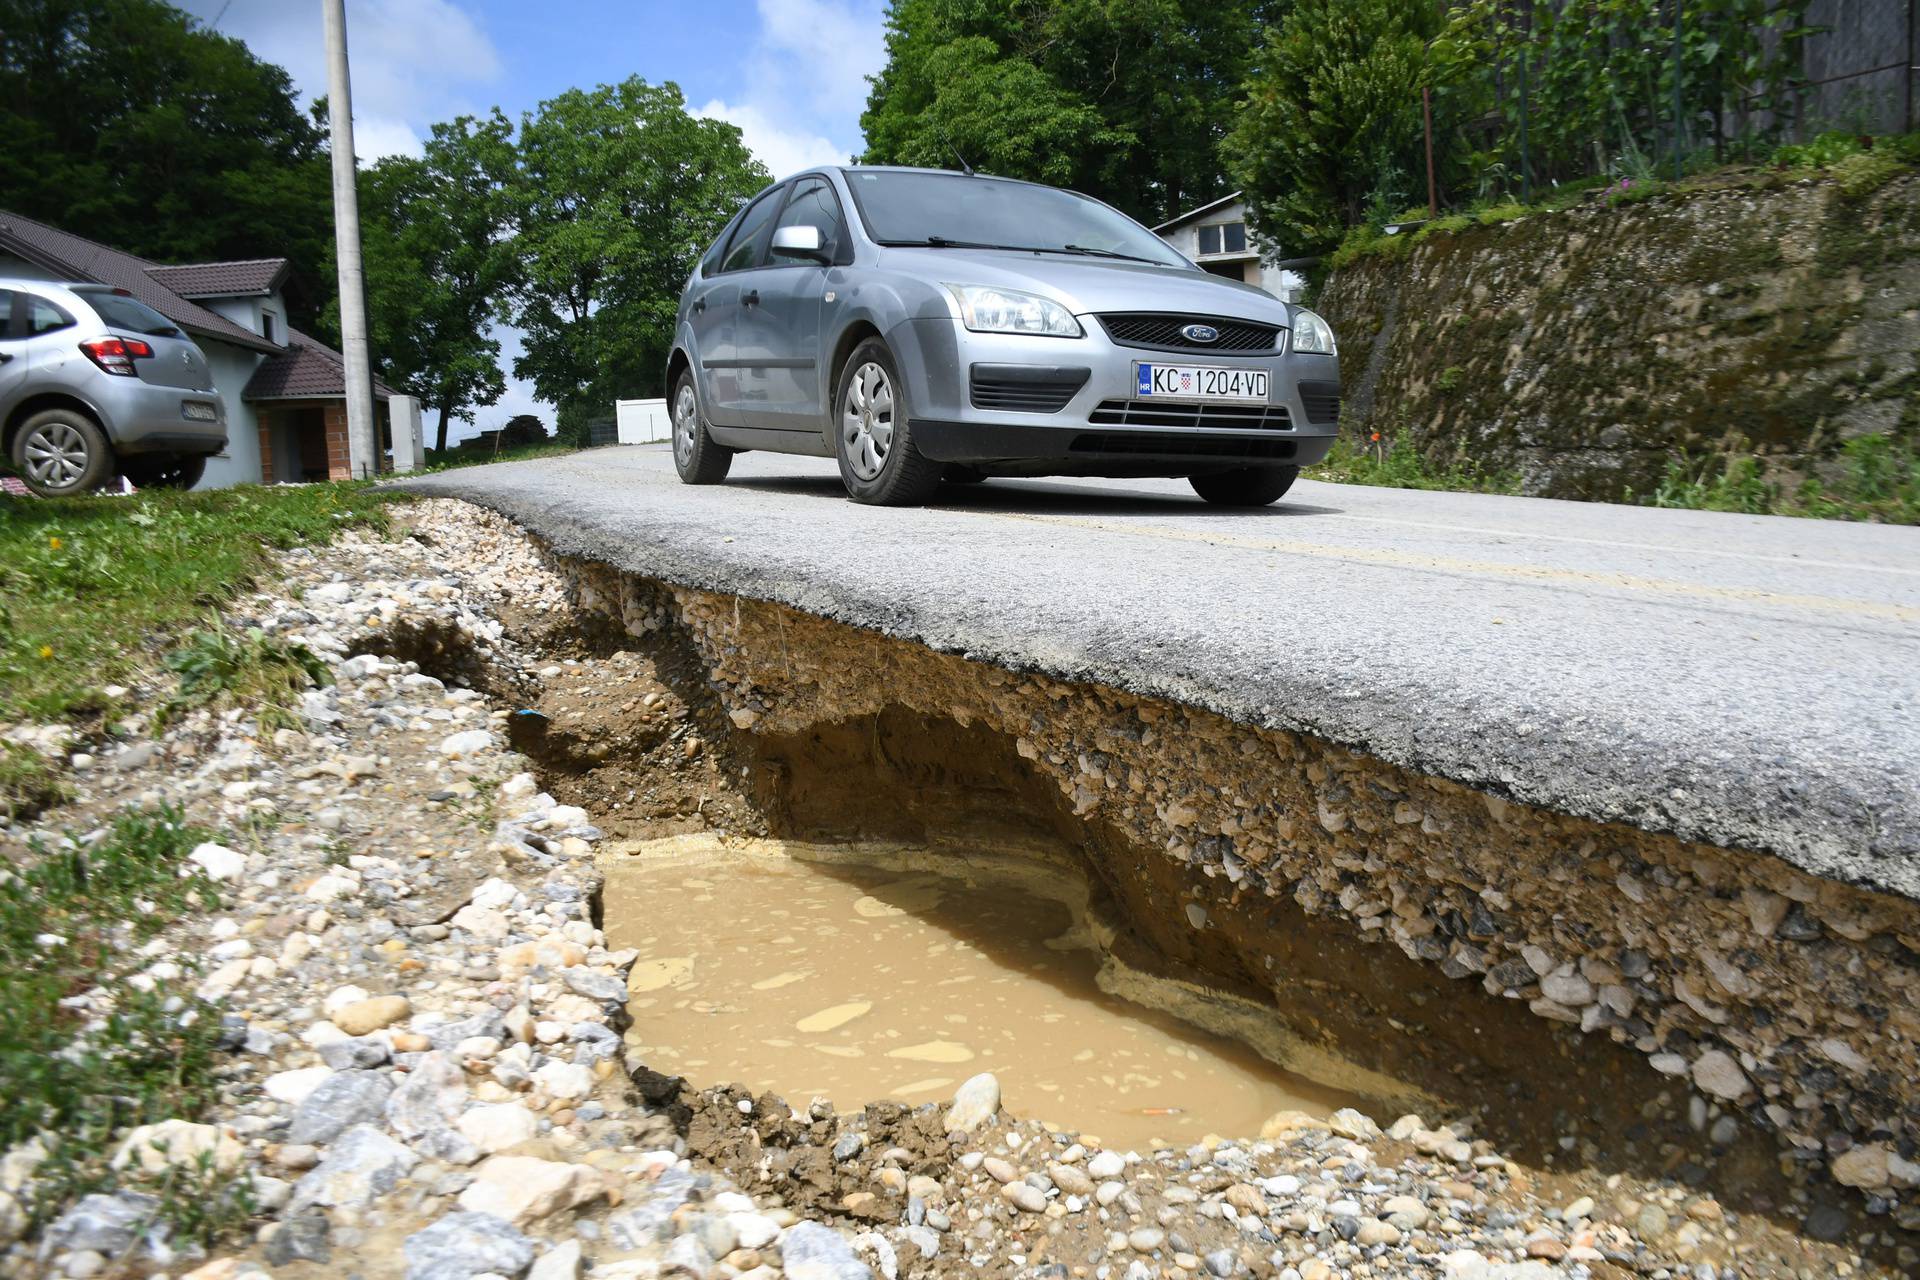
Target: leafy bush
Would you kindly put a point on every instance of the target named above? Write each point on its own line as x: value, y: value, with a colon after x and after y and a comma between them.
x: 249, y: 669
x: 1401, y: 466
x: 1879, y: 480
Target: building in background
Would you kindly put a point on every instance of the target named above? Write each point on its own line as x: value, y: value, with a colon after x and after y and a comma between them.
x: 1214, y: 237
x: 286, y: 393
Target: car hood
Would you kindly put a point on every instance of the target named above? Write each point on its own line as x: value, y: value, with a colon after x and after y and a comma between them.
x: 1086, y: 285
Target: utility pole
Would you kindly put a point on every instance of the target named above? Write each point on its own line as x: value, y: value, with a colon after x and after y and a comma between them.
x: 1426, y: 110
x: 1679, y: 107
x: 363, y: 437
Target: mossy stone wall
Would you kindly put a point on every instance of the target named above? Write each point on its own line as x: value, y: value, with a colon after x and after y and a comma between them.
x: 1581, y: 350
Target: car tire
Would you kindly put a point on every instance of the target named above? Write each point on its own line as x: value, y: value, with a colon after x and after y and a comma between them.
x: 1246, y: 486
x: 873, y: 440
x: 695, y: 455
x: 166, y: 471
x: 62, y: 452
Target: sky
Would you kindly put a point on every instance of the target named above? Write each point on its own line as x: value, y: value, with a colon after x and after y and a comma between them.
x: 792, y: 74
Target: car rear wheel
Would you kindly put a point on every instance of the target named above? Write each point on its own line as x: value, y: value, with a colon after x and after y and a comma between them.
x: 166, y: 471
x: 873, y: 440
x: 62, y: 452
x: 695, y: 456
x: 1245, y: 487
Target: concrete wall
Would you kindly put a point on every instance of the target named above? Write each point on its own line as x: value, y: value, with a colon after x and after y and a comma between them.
x: 1581, y: 351
x: 1249, y: 269
x: 239, y: 463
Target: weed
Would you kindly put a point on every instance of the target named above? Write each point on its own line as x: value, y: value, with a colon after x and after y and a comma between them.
x: 249, y: 669
x: 1450, y: 379
x: 28, y: 781
x: 1401, y: 466
x: 75, y: 1074
x: 1879, y: 479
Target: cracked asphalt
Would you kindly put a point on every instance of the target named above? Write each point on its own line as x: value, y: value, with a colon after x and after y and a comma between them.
x: 1751, y: 681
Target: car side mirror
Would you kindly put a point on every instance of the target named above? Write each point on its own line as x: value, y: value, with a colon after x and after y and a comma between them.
x: 799, y: 241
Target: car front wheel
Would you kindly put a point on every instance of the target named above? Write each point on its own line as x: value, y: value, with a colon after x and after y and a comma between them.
x: 62, y: 452
x: 1246, y: 486
x: 695, y: 456
x: 873, y: 441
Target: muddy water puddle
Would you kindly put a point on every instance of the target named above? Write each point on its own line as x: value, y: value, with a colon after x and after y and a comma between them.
x: 867, y: 974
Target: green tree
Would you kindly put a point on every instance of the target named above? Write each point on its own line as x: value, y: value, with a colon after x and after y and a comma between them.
x: 126, y: 122
x: 1332, y: 119
x: 618, y: 192
x: 434, y: 239
x: 1126, y: 100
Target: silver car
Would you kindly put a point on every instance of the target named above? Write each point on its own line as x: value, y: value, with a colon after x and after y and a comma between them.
x: 921, y: 325
x: 94, y: 383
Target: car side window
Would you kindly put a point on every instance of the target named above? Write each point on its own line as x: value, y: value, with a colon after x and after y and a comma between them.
x: 743, y: 251
x: 43, y: 316
x: 815, y: 205
x: 6, y: 316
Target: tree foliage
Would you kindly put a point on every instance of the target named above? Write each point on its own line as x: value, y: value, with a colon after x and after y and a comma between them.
x: 1332, y: 116
x: 127, y: 122
x: 617, y: 192
x: 434, y: 239
x: 1126, y: 100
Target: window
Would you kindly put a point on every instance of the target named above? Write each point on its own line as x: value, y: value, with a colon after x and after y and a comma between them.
x: 814, y: 205
x: 1223, y: 237
x: 6, y: 314
x: 268, y: 323
x: 743, y: 250
x: 119, y: 311
x: 43, y: 316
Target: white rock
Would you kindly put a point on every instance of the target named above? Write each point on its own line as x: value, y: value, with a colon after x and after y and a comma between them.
x: 292, y: 1087
x: 564, y: 1080
x: 466, y: 743
x: 218, y: 861
x: 559, y: 1263
x: 974, y: 1103
x: 1716, y: 1073
x: 179, y: 1143
x: 523, y: 1188
x: 1106, y: 1164
x: 341, y: 997
x: 1863, y: 1166
x: 495, y: 1128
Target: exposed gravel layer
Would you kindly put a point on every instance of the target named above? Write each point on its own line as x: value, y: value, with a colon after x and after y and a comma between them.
x: 1742, y: 680
x: 425, y: 1076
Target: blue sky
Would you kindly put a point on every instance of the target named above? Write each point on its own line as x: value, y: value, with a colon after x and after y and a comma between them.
x: 791, y: 73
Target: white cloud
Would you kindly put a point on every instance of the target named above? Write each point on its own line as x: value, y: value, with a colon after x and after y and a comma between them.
x: 825, y: 49
x: 413, y: 62
x: 781, y: 149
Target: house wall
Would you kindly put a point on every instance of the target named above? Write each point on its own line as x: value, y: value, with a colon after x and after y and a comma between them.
x: 1285, y: 285
x: 239, y: 462
x: 249, y: 313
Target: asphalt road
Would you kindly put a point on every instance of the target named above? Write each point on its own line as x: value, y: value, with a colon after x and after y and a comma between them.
x: 1747, y: 680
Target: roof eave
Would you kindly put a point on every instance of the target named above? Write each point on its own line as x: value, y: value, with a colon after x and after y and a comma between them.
x: 1201, y: 212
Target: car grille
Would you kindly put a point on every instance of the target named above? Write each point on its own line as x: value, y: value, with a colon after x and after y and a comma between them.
x: 1233, y: 448
x: 1162, y: 332
x: 1214, y: 417
x: 1321, y: 400
x: 1026, y: 393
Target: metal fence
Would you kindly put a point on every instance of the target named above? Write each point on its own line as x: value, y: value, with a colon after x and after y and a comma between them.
x: 1863, y: 69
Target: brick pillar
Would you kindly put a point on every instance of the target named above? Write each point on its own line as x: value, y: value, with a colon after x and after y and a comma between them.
x: 338, y: 466
x: 266, y: 448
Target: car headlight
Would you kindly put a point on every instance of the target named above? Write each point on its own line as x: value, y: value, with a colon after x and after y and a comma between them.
x: 984, y: 309
x: 1312, y: 336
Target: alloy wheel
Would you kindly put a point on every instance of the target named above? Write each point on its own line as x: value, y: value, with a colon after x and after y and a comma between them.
x: 55, y: 454
x: 866, y: 425
x: 686, y: 421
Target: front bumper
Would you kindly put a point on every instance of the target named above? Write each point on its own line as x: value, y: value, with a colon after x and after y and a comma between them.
x: 1095, y: 430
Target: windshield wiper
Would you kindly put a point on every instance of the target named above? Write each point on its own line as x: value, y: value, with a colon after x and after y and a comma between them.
x: 941, y: 242
x: 1104, y: 253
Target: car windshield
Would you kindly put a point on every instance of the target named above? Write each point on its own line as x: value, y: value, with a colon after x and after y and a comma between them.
x: 119, y: 311
x: 953, y: 210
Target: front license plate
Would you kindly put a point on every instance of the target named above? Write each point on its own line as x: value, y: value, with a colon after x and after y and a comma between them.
x: 1199, y: 382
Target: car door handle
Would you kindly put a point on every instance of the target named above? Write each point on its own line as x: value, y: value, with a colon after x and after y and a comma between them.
x: 4, y: 357
x: 699, y: 305
x: 751, y: 298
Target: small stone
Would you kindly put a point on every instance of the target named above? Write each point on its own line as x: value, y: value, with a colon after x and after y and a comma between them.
x: 217, y: 861
x: 999, y: 1170
x: 361, y: 1164
x: 974, y: 1103
x: 495, y: 1128
x: 301, y: 1238
x: 342, y: 1100
x: 462, y: 1246
x: 1863, y: 1166
x: 1071, y: 1181
x: 179, y: 1144
x: 1373, y: 1231
x: 466, y: 743
x: 810, y: 1251
x: 1716, y: 1073
x: 1581, y: 1208
x: 364, y: 1017
x: 1025, y: 1196
x: 1106, y: 1164
x: 559, y: 1263
x: 1146, y: 1239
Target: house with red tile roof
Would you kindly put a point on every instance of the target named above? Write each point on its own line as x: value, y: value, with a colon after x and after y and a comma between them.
x: 286, y: 393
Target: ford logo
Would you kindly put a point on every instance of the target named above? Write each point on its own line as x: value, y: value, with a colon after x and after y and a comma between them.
x: 1200, y: 333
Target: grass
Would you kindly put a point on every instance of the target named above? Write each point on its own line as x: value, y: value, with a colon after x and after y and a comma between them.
x: 92, y: 588
x: 72, y: 918
x: 1403, y: 467
x: 221, y: 667
x: 447, y: 459
x: 1878, y: 479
